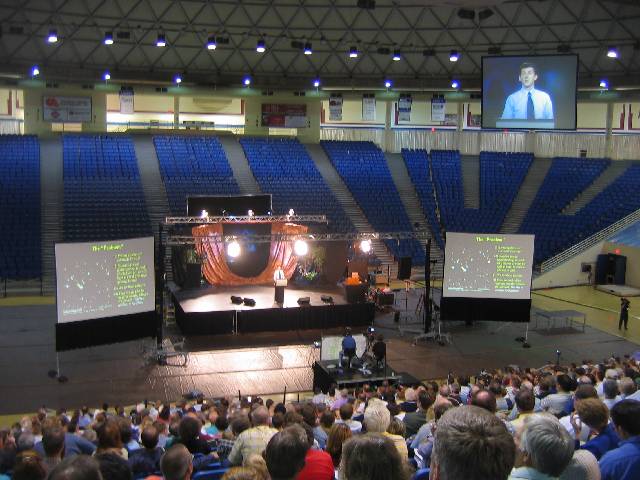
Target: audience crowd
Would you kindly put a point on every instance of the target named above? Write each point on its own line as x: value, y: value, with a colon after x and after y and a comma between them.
x: 556, y: 422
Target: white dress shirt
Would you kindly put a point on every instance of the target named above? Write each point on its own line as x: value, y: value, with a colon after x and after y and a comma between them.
x: 516, y: 105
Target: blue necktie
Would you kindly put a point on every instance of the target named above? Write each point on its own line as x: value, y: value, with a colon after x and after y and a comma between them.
x: 530, y: 111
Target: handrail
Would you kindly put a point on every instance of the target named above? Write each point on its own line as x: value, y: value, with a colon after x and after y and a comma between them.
x: 589, y: 241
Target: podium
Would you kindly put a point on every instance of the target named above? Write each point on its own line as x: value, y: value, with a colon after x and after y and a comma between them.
x: 279, y: 290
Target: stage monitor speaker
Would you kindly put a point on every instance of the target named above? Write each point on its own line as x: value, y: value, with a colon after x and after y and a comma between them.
x: 249, y: 302
x: 236, y: 300
x: 326, y: 298
x: 404, y: 268
x: 611, y: 269
x: 304, y: 301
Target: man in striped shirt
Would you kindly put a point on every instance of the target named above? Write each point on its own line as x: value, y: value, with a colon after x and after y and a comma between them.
x: 254, y: 440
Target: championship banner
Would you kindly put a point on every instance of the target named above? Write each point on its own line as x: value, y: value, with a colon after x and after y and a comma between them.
x: 284, y: 115
x: 126, y: 102
x: 404, y: 107
x: 368, y: 107
x: 335, y: 107
x: 437, y: 109
x: 66, y: 109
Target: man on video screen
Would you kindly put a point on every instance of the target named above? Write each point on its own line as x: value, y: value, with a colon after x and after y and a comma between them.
x: 528, y: 103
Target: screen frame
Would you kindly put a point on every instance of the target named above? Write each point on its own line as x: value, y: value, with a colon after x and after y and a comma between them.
x: 528, y: 129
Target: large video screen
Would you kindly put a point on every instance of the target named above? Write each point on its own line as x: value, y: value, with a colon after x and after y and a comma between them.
x: 535, y: 92
x: 104, y: 279
x: 488, y: 266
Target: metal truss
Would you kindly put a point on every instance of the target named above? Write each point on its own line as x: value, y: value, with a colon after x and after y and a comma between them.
x: 246, y: 219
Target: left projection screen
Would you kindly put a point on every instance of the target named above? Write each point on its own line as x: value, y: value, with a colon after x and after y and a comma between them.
x: 104, y: 279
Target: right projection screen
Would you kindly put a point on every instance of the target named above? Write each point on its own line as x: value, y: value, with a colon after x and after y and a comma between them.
x: 487, y: 277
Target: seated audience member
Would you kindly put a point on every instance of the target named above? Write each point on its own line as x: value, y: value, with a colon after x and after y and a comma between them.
x: 582, y: 392
x: 341, y: 400
x: 377, y: 419
x: 113, y: 467
x: 321, y: 432
x: 109, y: 440
x: 414, y: 420
x: 627, y: 387
x: 623, y: 463
x: 26, y: 441
x: 526, y: 402
x: 53, y: 446
x: 28, y: 466
x: 557, y: 403
x: 593, y: 413
x: 484, y: 399
x: 410, y: 401
x: 285, y: 453
x: 583, y: 466
x: 371, y: 457
x: 126, y: 435
x: 611, y: 393
x: 471, y: 444
x: 317, y: 463
x: 339, y: 434
x: 503, y: 403
x: 253, y: 440
x: 78, y: 467
x: 543, y: 448
x: 73, y: 445
x: 146, y: 461
x: 319, y: 398
x: 244, y: 473
x: 346, y: 412
x: 189, y: 436
x: 225, y: 444
x: 424, y: 444
x: 177, y: 463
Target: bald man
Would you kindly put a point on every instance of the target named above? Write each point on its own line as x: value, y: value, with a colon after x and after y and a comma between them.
x: 254, y: 440
x: 176, y: 463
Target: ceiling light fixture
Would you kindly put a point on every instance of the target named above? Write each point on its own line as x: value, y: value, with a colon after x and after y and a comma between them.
x: 211, y: 43
x: 261, y: 46
x: 108, y: 38
x: 161, y: 41
x: 454, y: 56
x: 307, y: 49
x: 353, y: 52
x: 53, y: 36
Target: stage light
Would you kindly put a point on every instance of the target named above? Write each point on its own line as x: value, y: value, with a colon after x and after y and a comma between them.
x: 612, y: 52
x: 211, y: 43
x: 204, y: 214
x: 396, y: 56
x: 246, y: 81
x: 353, y: 52
x: 455, y: 84
x: 260, y: 46
x: 53, y: 36
x: 250, y: 213
x: 35, y: 71
x: 316, y: 83
x: 161, y: 41
x: 300, y: 248
x: 454, y: 56
x: 106, y: 76
x: 108, y: 38
x: 307, y: 49
x: 291, y: 212
x: 371, y: 330
x: 178, y: 79
x: 604, y: 84
x: 388, y: 83
x: 317, y: 344
x: 365, y: 246
x: 233, y: 249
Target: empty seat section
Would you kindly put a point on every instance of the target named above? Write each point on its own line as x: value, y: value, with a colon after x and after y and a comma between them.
x: 103, y: 194
x: 446, y: 172
x: 363, y: 168
x: 193, y: 166
x: 20, y: 252
x: 283, y: 168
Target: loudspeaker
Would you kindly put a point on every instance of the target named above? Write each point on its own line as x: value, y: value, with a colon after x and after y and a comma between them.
x: 249, y: 302
x: 304, y: 301
x: 611, y: 269
x: 404, y: 268
x: 326, y: 298
x: 585, y: 267
x: 236, y: 300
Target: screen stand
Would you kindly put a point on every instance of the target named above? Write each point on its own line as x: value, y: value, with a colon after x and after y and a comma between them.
x: 56, y: 373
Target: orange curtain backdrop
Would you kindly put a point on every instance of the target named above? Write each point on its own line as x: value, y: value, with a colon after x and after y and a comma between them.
x: 211, y: 248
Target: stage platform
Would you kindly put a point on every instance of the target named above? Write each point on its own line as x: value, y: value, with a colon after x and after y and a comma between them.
x: 209, y: 311
x: 619, y: 290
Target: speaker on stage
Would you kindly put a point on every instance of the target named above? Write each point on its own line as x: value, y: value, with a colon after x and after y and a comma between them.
x: 249, y: 302
x: 304, y: 301
x: 236, y: 300
x: 611, y: 269
x: 404, y: 268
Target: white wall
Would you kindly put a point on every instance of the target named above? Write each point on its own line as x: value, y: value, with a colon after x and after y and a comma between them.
x: 568, y: 273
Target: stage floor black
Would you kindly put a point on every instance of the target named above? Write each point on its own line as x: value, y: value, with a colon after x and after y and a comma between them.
x: 209, y: 311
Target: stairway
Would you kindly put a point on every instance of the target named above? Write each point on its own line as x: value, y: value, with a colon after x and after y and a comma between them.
x: 349, y: 204
x: 605, y: 179
x: 470, y: 181
x: 51, y: 208
x: 239, y: 165
x: 527, y: 193
x: 411, y: 202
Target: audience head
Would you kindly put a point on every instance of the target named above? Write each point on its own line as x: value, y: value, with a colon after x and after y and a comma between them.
x: 337, y: 436
x: 149, y: 437
x: 108, y: 434
x: 327, y: 419
x: 544, y: 444
x: 53, y: 441
x: 25, y: 441
x: 583, y: 466
x: 397, y: 427
x: 285, y: 453
x: 626, y: 418
x: 78, y: 467
x: 28, y: 466
x: 176, y: 463
x: 189, y: 428
x: 472, y: 444
x: 424, y: 400
x: 485, y: 399
x: 239, y: 424
x: 627, y: 386
x: 114, y: 467
x: 371, y: 457
x: 260, y: 416
x: 309, y: 414
x: 525, y: 400
x: 610, y: 389
x: 593, y: 413
x: 440, y: 408
x: 565, y: 383
x: 410, y: 395
x: 377, y: 417
x: 585, y: 391
x: 346, y: 412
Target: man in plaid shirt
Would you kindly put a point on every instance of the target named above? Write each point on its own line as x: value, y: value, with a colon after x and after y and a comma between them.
x: 254, y: 440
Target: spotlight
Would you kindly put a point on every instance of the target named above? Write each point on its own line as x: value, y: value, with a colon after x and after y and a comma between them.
x: 35, y: 71
x: 388, y: 83
x: 204, y: 214
x: 291, y: 212
x: 108, y: 38
x: 365, y: 246
x: 260, y: 46
x: 106, y: 77
x: 353, y: 52
x: 233, y: 249
x: 161, y: 41
x: 604, y: 84
x: 396, y: 56
x: 455, y: 84
x: 53, y: 36
x: 317, y: 344
x: 211, y: 43
x: 307, y: 49
x: 246, y: 81
x: 250, y: 213
x: 454, y: 56
x: 300, y: 248
x: 316, y: 83
x: 612, y: 52
x: 371, y: 330
x: 178, y: 79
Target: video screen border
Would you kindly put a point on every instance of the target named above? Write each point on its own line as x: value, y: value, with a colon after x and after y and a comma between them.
x: 575, y: 100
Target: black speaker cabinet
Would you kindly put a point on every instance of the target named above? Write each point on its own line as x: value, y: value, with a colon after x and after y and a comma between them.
x: 611, y: 269
x: 404, y: 268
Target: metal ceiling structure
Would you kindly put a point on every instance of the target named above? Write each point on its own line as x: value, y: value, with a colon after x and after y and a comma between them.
x: 423, y: 32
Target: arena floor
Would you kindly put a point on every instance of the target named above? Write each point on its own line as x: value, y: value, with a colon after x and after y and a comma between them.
x: 266, y: 363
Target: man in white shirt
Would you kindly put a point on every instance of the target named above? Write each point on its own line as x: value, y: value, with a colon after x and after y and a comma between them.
x: 528, y: 103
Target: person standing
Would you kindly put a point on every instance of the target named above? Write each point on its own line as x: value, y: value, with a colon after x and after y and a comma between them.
x: 624, y: 313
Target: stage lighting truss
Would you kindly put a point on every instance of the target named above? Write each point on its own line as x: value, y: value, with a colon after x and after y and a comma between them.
x: 247, y: 219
